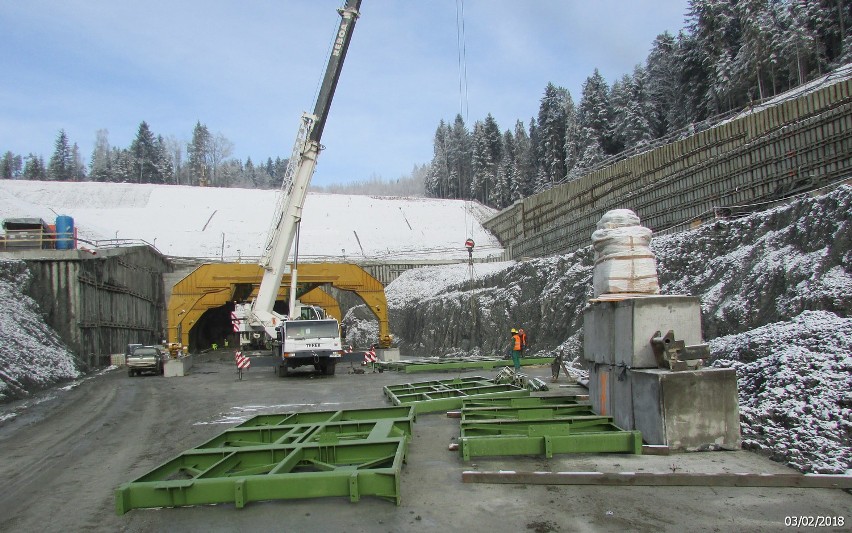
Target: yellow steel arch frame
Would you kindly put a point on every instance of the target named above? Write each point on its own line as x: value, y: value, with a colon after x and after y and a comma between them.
x: 213, y: 284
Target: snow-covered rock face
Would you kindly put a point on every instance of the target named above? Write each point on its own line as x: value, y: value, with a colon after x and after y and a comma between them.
x: 776, y: 296
x: 795, y: 389
x: 767, y: 267
x: 748, y: 272
x: 31, y: 353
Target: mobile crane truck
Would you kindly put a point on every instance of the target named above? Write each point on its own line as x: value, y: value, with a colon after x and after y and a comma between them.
x: 297, y: 341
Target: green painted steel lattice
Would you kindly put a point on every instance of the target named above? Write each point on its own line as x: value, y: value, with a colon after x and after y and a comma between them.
x: 539, y: 426
x: 443, y: 395
x: 284, y: 456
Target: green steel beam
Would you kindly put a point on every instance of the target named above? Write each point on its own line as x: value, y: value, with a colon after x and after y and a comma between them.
x: 285, y: 456
x: 427, y: 365
x: 443, y: 395
x: 529, y: 401
x: 551, y: 412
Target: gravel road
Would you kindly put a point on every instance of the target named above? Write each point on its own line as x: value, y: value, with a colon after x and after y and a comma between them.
x: 66, y: 450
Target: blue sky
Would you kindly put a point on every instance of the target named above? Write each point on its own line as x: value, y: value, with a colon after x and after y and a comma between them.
x: 249, y: 69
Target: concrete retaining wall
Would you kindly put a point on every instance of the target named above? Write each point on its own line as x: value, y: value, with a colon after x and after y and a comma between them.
x: 798, y: 145
x: 98, y: 304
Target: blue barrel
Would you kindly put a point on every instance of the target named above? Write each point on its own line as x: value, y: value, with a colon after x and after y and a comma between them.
x: 65, y: 233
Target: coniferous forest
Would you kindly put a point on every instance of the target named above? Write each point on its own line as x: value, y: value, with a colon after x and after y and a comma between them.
x: 731, y: 54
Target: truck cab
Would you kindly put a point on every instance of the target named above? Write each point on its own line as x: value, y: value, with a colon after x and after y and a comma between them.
x: 308, y: 342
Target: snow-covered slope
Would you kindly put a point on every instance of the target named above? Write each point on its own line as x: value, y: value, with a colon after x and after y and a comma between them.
x: 31, y: 353
x: 233, y: 223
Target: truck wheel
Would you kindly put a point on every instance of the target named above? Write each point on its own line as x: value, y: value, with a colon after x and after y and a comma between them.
x: 329, y: 368
x: 131, y: 372
x: 283, y: 371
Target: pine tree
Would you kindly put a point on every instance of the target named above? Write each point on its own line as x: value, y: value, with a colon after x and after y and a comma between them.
x: 11, y: 166
x: 197, y: 152
x: 124, y: 166
x: 142, y: 150
x: 572, y: 139
x: 34, y: 168
x: 163, y: 165
x: 594, y: 123
x: 552, y: 121
x: 459, y: 159
x: 663, y: 72
x: 486, y: 155
x: 524, y: 170
x: 480, y: 163
x: 630, y: 126
x: 501, y: 193
x: 61, y: 166
x: 439, y: 172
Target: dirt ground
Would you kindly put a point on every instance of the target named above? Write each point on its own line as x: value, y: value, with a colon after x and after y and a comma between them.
x: 66, y: 451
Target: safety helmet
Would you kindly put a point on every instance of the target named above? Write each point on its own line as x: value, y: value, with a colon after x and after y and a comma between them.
x: 514, y: 330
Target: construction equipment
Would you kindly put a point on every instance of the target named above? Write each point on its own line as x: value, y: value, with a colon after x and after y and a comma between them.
x: 300, y: 342
x: 675, y: 354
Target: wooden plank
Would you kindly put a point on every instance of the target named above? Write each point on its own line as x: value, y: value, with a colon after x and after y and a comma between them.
x: 661, y: 479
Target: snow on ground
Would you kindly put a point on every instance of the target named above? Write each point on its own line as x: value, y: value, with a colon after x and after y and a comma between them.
x: 218, y: 223
x: 795, y: 389
x: 31, y: 353
x: 422, y: 283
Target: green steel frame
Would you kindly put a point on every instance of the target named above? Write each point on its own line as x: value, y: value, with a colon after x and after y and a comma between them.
x: 284, y: 456
x: 539, y: 426
x: 552, y: 412
x: 443, y: 395
x: 529, y: 401
x: 432, y: 365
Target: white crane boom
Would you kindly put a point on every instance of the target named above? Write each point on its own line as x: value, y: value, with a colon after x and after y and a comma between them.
x: 300, y: 170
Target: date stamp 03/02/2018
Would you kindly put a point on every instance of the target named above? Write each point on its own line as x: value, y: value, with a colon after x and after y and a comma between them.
x: 815, y: 521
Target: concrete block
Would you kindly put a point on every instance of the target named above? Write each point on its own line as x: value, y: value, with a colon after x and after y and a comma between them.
x: 598, y: 333
x: 688, y: 410
x: 387, y: 354
x: 177, y: 367
x: 636, y: 320
x: 618, y: 330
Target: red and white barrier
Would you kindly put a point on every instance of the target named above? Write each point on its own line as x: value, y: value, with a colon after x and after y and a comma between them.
x: 370, y: 356
x: 243, y: 361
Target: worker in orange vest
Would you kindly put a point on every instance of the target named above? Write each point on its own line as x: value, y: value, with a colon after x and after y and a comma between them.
x: 516, y: 349
x: 523, y: 335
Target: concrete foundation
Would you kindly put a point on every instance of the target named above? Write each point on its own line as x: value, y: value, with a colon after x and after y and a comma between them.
x: 689, y: 410
x: 686, y: 410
